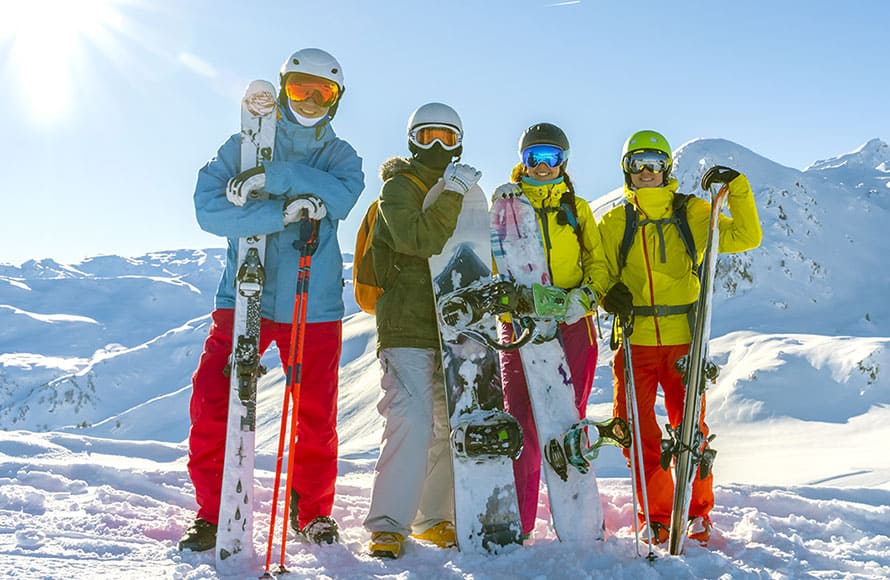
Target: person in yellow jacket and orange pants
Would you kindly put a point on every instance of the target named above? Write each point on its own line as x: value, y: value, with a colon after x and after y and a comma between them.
x: 572, y: 244
x: 658, y: 285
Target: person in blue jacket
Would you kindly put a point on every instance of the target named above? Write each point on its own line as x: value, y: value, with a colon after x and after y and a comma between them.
x: 313, y: 174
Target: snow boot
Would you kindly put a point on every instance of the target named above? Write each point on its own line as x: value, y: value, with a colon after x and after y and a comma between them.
x: 699, y: 529
x: 386, y: 545
x: 321, y: 530
x: 442, y: 535
x: 658, y: 532
x: 200, y: 536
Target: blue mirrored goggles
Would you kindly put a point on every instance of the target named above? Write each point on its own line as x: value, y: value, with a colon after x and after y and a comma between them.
x: 552, y: 155
x: 655, y: 161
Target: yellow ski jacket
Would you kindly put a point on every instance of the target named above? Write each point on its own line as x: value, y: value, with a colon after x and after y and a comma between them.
x: 672, y: 282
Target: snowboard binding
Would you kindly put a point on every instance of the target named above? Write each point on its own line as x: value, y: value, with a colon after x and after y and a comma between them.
x: 576, y: 450
x: 497, y: 434
x: 701, y: 452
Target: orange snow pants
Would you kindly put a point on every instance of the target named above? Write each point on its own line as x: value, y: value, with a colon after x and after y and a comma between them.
x: 315, y: 469
x: 654, y: 365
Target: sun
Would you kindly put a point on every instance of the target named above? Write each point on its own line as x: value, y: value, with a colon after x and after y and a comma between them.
x: 48, y: 45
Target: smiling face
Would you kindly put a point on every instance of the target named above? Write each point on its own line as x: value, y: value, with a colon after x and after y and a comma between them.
x: 646, y: 178
x: 308, y: 108
x: 542, y: 172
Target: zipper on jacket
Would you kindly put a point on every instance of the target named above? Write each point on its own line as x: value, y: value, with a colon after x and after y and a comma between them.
x: 545, y: 233
x: 651, y: 283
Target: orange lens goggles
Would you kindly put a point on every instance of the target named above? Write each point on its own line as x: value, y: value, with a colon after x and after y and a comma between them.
x: 299, y: 87
x: 426, y: 135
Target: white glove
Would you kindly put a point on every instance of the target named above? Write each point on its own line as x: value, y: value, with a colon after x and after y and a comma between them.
x: 507, y: 191
x: 578, y: 304
x: 304, y: 207
x: 460, y: 177
x: 240, y: 187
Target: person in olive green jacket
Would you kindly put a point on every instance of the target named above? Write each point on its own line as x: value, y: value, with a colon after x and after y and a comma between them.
x: 657, y: 286
x: 413, y: 484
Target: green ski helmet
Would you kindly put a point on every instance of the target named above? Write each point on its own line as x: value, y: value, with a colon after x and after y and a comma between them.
x: 647, y: 139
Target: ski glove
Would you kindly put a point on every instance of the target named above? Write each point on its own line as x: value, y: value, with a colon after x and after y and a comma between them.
x: 507, y: 191
x: 718, y: 174
x: 240, y: 187
x: 578, y: 303
x: 619, y: 300
x: 303, y: 207
x: 460, y: 177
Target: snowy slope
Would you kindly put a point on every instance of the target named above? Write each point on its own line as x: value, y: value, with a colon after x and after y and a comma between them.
x: 96, y: 358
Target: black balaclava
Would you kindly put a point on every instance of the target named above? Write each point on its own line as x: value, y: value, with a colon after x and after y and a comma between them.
x: 436, y: 157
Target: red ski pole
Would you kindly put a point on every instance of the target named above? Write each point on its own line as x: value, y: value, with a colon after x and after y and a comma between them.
x: 306, y: 244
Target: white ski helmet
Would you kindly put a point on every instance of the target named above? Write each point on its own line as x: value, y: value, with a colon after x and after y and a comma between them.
x: 435, y: 114
x: 314, y: 61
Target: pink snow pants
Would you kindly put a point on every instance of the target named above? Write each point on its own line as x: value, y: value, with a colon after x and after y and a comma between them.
x: 316, y: 449
x: 579, y: 343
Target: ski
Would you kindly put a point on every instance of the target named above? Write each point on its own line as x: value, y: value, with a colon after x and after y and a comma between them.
x: 484, y: 438
x: 234, y: 540
x: 687, y: 442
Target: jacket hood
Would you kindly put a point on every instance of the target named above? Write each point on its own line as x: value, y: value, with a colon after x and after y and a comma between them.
x: 393, y: 166
x: 302, y: 141
x: 653, y: 202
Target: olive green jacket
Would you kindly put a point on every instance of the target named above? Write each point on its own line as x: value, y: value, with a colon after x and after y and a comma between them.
x: 405, y: 236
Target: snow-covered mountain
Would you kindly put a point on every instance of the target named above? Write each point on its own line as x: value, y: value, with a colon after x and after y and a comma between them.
x: 96, y: 359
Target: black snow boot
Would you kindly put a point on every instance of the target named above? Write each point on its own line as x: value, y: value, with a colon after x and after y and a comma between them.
x: 199, y: 537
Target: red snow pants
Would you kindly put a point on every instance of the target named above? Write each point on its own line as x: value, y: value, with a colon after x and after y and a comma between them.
x: 315, y: 452
x: 654, y: 365
x: 579, y: 344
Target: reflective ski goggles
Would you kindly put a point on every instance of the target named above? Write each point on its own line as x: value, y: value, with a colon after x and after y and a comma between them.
x: 425, y: 136
x: 300, y: 86
x: 655, y: 161
x: 552, y: 155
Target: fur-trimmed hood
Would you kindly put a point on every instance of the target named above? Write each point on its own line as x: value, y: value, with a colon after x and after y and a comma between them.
x: 393, y: 166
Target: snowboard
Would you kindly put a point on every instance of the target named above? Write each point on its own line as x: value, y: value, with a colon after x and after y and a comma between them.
x: 687, y: 443
x: 234, y: 538
x: 484, y: 439
x: 572, y: 491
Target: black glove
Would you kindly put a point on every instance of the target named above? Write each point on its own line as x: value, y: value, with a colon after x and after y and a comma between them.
x: 619, y: 300
x: 717, y: 174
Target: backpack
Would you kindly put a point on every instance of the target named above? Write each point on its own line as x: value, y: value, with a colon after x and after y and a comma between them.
x: 678, y: 218
x: 364, y: 281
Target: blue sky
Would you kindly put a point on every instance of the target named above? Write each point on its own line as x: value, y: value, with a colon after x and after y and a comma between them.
x: 110, y: 107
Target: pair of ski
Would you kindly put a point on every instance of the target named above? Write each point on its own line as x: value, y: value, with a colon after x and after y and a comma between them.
x: 485, y: 439
x: 235, y: 551
x: 686, y: 447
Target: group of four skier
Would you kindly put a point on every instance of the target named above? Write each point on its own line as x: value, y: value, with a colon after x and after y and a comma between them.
x: 413, y: 485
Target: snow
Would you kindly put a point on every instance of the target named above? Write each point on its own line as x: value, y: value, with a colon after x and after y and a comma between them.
x: 96, y: 359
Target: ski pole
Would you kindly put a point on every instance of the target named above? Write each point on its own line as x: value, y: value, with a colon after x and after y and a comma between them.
x: 306, y: 244
x: 636, y: 449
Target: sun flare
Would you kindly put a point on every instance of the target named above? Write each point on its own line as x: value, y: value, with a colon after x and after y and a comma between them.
x: 48, y: 45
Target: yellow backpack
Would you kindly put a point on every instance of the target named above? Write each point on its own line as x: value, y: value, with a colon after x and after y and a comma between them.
x: 364, y: 280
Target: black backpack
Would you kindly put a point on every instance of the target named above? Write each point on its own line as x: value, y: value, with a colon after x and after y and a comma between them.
x: 678, y: 218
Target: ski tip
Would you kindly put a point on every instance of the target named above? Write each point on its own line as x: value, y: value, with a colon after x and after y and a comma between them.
x: 259, y: 98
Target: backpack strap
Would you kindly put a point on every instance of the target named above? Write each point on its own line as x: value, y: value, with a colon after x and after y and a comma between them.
x: 415, y: 180
x: 678, y: 218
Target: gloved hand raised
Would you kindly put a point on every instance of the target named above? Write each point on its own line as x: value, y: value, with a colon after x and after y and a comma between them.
x: 460, y: 177
x: 303, y: 207
x: 619, y: 300
x: 717, y: 174
x: 239, y: 188
x: 578, y: 303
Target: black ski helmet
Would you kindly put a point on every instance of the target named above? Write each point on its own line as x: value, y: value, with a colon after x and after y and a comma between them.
x: 544, y: 133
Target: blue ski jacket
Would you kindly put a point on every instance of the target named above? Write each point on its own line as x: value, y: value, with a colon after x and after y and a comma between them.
x: 306, y: 160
